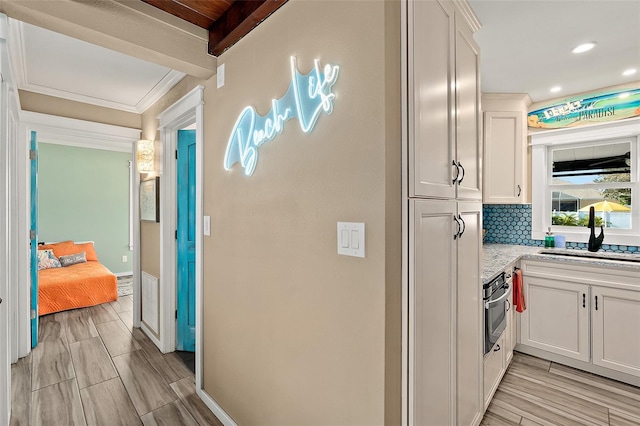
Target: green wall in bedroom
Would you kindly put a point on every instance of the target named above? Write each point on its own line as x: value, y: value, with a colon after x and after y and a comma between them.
x: 83, y: 195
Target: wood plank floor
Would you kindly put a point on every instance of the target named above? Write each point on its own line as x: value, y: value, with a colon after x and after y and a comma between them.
x: 538, y: 392
x: 91, y: 367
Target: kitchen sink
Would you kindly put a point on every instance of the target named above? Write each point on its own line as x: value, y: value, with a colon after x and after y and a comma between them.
x: 624, y: 257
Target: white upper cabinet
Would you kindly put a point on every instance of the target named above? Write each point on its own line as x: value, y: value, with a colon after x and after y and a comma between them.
x: 505, y: 148
x: 467, y: 107
x: 445, y: 147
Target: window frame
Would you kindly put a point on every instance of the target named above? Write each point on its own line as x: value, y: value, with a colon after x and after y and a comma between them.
x: 542, y: 146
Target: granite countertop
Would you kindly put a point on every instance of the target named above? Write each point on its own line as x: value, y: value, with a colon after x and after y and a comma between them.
x: 496, y: 257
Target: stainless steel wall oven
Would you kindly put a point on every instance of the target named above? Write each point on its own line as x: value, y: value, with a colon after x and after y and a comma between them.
x: 496, y: 305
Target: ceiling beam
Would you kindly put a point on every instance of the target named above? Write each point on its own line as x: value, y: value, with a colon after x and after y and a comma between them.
x: 114, y: 25
x: 237, y: 21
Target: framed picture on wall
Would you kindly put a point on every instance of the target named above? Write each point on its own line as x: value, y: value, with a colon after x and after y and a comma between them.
x: 150, y: 200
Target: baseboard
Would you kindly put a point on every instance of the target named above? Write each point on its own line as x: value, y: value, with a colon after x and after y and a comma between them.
x: 215, y: 408
x: 123, y: 274
x: 150, y: 335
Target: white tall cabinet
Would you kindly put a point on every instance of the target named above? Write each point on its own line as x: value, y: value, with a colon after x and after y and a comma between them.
x: 444, y: 165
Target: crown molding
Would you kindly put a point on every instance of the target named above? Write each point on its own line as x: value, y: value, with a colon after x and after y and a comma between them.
x: 85, y: 134
x: 17, y: 52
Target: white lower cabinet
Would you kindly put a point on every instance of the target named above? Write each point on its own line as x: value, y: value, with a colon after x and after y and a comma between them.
x: 616, y: 329
x: 557, y: 317
x: 494, y: 366
x: 445, y: 323
x: 590, y: 314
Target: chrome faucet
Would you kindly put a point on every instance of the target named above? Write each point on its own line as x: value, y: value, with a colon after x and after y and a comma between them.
x: 594, y: 242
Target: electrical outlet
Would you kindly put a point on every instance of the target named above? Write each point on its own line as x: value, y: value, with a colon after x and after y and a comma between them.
x: 124, y: 259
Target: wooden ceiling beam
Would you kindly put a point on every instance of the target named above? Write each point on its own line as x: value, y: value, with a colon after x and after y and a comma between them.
x: 237, y: 21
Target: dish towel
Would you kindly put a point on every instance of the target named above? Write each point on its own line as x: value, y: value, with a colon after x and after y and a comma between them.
x: 518, y: 292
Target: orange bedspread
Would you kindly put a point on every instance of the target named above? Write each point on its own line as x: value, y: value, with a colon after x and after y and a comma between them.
x: 75, y: 286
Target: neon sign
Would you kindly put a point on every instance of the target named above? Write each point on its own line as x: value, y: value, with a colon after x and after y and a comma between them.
x: 307, y: 97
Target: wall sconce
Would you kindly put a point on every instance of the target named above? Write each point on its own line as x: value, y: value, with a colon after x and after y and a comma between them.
x: 145, y: 156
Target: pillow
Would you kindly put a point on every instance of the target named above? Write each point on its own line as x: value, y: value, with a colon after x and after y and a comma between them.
x: 72, y: 259
x: 88, y: 249
x: 66, y: 248
x: 59, y: 249
x: 47, y: 260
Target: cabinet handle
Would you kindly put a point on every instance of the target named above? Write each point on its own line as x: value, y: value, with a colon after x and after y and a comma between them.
x: 584, y: 300
x: 519, y: 191
x: 457, y: 233
x: 461, y: 177
x: 596, y: 303
x: 508, y: 306
x: 497, y: 348
x: 464, y: 226
x: 455, y: 178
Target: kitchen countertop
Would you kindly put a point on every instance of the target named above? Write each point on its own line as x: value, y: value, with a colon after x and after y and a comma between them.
x: 496, y: 257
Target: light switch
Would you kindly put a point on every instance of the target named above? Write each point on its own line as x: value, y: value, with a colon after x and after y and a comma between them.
x: 351, y: 239
x: 344, y: 239
x: 355, y: 240
x: 206, y: 225
x: 220, y: 76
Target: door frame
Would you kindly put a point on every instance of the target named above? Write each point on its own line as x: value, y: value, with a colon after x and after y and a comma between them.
x: 72, y: 132
x: 186, y: 111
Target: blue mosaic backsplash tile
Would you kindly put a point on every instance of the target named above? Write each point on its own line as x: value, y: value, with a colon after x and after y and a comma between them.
x: 511, y: 224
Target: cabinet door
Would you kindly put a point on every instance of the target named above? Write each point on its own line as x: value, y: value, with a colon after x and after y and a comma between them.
x: 469, y: 315
x: 616, y: 329
x: 468, y: 138
x: 557, y: 317
x: 503, y: 158
x: 493, y: 368
x: 432, y: 292
x: 430, y: 58
x: 509, y: 342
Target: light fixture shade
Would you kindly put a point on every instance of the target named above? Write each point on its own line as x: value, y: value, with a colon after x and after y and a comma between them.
x: 145, y: 156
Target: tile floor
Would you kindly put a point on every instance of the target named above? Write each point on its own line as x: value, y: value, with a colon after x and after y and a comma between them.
x: 538, y: 392
x: 91, y: 367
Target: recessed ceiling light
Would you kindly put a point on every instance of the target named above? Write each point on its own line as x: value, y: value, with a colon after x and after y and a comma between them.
x: 584, y: 47
x: 556, y: 89
x: 624, y: 95
x: 630, y: 71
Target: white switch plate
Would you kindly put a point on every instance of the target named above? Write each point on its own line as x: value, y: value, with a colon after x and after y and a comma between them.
x: 220, y: 76
x: 124, y: 259
x: 206, y: 225
x: 351, y: 239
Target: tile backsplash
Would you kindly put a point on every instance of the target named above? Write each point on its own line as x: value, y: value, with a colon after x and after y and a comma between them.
x: 511, y: 224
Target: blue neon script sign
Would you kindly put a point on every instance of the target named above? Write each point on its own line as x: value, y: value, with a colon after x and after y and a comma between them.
x: 308, y: 96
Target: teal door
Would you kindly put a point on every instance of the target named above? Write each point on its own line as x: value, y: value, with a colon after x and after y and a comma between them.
x: 33, y: 155
x: 186, y: 235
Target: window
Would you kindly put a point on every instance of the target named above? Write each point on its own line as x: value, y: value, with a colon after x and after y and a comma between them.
x: 578, y: 169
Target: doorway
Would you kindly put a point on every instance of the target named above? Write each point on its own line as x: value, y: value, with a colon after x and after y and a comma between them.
x: 180, y: 306
x: 186, y: 246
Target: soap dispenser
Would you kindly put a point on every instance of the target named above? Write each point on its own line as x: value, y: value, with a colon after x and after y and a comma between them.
x: 549, y: 240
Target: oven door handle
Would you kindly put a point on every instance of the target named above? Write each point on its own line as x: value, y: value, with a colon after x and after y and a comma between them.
x: 499, y: 299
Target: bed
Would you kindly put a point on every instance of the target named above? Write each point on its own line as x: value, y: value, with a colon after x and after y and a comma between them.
x: 70, y: 276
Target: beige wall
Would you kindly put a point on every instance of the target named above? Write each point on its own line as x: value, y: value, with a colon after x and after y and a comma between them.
x: 51, y: 105
x: 293, y: 332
